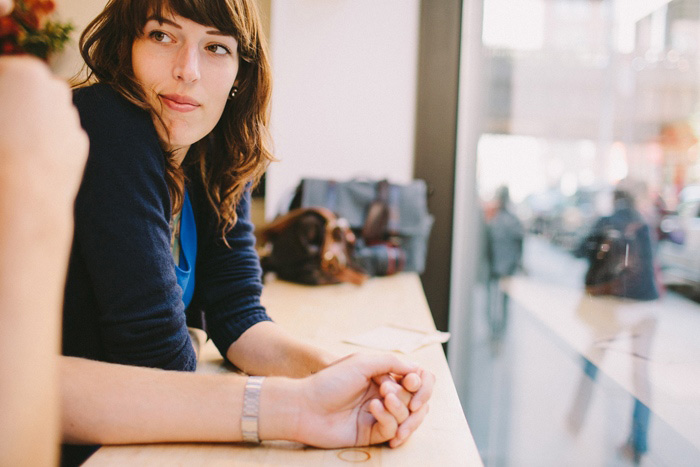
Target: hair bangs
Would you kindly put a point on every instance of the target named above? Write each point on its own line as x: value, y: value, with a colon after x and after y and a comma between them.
x: 230, y: 17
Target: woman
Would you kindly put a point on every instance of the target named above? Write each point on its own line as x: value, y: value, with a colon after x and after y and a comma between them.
x: 177, y: 126
x: 187, y: 160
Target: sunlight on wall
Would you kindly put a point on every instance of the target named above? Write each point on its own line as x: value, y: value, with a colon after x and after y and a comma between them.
x: 515, y: 161
x: 514, y: 25
x: 344, y: 100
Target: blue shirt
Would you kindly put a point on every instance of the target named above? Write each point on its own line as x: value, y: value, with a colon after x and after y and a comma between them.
x: 184, y: 269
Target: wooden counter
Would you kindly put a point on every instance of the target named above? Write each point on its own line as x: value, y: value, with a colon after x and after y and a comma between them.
x: 327, y: 315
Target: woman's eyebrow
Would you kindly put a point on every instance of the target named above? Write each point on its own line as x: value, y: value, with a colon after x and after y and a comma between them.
x: 161, y: 20
x: 216, y: 32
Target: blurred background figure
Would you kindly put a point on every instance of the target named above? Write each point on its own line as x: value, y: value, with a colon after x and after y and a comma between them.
x: 620, y: 253
x: 621, y: 264
x: 504, y: 235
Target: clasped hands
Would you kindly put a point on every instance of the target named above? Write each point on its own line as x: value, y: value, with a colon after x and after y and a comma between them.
x: 363, y: 399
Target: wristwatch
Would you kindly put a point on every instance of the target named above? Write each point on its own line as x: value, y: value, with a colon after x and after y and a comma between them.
x: 251, y: 409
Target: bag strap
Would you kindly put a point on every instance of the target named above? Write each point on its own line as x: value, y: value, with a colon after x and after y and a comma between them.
x: 377, y: 218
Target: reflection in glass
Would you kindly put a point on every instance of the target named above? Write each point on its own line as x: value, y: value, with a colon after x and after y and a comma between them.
x: 504, y: 246
x: 590, y: 115
x: 619, y: 252
x: 609, y: 326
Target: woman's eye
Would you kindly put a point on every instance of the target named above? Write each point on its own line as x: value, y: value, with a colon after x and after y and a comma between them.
x: 218, y: 49
x: 159, y: 36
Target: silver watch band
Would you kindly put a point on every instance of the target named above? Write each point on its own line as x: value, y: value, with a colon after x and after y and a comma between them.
x: 251, y: 408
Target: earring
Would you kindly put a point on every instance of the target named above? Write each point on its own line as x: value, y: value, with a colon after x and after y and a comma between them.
x: 234, y: 90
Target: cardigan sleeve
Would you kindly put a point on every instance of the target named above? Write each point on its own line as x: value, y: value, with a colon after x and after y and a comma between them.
x: 229, y: 278
x: 122, y: 234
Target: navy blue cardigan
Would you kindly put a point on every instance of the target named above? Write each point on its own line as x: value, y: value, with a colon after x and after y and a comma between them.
x: 122, y: 301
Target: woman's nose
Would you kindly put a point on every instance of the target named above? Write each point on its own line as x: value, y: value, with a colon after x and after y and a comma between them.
x: 187, y: 64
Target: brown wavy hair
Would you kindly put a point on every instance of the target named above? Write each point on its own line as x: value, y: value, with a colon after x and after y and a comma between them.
x: 233, y: 157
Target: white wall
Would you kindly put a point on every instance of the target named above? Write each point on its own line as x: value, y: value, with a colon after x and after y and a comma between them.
x: 80, y: 13
x: 343, y: 103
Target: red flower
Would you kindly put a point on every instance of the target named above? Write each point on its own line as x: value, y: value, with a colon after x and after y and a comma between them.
x: 40, y: 7
x: 26, y: 31
x: 9, y: 48
x: 8, y: 27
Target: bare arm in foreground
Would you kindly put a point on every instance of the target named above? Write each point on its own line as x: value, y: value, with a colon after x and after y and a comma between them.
x: 339, y: 406
x: 42, y: 152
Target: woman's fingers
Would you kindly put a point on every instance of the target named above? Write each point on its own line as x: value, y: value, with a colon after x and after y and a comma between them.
x: 382, y: 364
x: 396, y: 408
x: 404, y: 404
x: 389, y: 385
x: 413, y: 390
x: 406, y: 429
x: 385, y: 427
x: 425, y: 390
x: 411, y: 382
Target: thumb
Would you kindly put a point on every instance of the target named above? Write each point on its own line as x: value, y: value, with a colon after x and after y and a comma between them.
x: 381, y: 364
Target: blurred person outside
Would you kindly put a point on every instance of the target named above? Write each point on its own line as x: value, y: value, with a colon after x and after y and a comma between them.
x: 620, y: 253
x: 652, y: 207
x: 504, y: 245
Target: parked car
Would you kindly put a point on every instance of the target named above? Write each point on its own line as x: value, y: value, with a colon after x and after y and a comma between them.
x: 579, y: 213
x: 679, y: 247
x: 537, y: 210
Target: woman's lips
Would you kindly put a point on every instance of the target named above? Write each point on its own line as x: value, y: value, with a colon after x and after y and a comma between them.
x: 179, y: 103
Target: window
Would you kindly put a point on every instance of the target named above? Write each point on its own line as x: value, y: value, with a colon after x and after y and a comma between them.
x: 588, y: 108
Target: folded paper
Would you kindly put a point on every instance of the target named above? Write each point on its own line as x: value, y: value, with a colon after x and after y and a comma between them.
x: 397, y: 339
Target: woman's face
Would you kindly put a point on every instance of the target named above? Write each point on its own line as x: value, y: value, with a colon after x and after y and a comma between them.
x: 187, y: 71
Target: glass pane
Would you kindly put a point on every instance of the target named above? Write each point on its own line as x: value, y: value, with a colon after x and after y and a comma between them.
x: 588, y: 174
